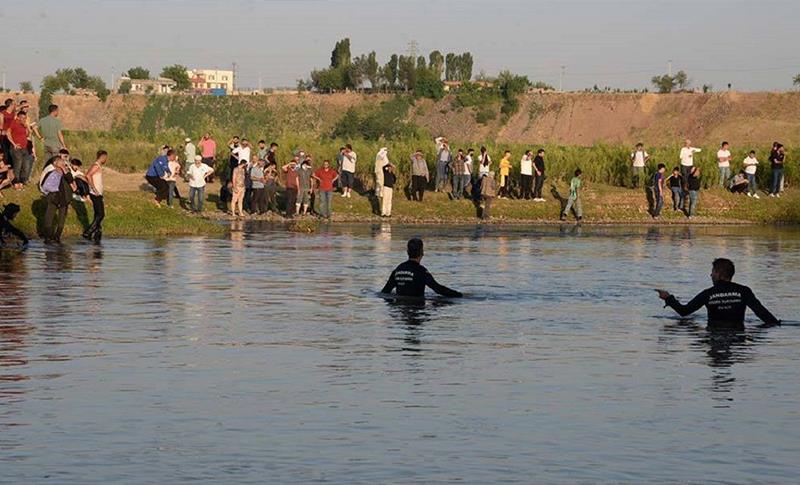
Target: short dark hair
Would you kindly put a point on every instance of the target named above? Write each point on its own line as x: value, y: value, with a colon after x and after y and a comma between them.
x: 471, y: 150
x: 414, y: 248
x: 661, y: 165
x: 170, y: 152
x: 22, y: 112
x: 752, y: 152
x: 9, y: 102
x: 674, y: 169
x: 100, y: 153
x: 724, y: 267
x: 273, y: 144
x: 63, y: 151
x: 578, y: 172
x: 349, y: 146
x: 640, y: 144
x: 52, y: 108
x: 725, y: 143
x: 76, y: 161
x: 2, y: 107
x: 540, y: 151
x: 507, y: 152
x: 51, y: 161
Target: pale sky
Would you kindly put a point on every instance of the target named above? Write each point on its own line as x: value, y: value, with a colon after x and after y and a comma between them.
x: 751, y: 44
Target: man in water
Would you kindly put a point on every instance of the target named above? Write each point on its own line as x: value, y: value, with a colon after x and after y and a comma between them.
x: 411, y: 278
x: 726, y: 301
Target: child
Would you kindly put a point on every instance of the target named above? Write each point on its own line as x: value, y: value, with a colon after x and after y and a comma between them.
x: 10, y: 211
x: 658, y: 190
x: 488, y: 192
x: 750, y: 165
x: 574, y: 197
x: 675, y: 182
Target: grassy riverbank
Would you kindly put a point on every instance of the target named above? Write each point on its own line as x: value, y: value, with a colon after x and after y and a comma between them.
x: 128, y: 214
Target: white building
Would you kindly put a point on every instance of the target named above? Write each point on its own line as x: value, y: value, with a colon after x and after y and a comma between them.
x: 160, y: 85
x: 204, y: 80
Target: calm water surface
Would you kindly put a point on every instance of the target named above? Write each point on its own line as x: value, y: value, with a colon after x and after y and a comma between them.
x: 268, y: 357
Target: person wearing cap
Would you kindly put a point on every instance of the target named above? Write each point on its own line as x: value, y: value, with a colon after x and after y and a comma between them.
x: 410, y: 278
x: 197, y: 173
x: 189, y: 152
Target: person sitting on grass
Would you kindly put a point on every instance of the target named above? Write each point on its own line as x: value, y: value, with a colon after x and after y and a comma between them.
x: 739, y: 183
x: 574, y: 199
x: 10, y: 211
x: 6, y: 174
x: 725, y: 301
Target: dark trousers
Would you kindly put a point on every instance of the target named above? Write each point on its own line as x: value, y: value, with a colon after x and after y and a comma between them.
x: 259, y: 201
x: 537, y: 188
x: 99, y: 209
x: 247, y: 203
x: 162, y: 189
x: 418, y: 183
x: 272, y: 199
x: 54, y: 217
x: 291, y: 200
x: 527, y: 186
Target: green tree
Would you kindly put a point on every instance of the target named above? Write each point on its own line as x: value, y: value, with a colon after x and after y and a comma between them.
x: 421, y: 63
x: 796, y: 80
x: 450, y: 66
x: 406, y: 72
x: 428, y: 84
x: 124, y: 87
x: 67, y: 80
x: 138, y: 73
x: 389, y: 71
x: 340, y: 57
x: 462, y: 70
x: 356, y: 72
x: 26, y: 87
x: 436, y: 63
x: 177, y: 73
x: 372, y: 70
x: 668, y: 84
x: 328, y: 80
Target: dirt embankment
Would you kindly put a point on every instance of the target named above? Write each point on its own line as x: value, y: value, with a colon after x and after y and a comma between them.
x: 567, y: 118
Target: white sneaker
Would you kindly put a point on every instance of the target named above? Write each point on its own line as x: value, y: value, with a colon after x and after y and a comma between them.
x: 772, y: 195
x: 344, y: 195
x: 778, y: 195
x: 756, y: 196
x: 749, y: 194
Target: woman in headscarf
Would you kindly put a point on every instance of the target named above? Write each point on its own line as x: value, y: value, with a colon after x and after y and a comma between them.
x: 381, y: 160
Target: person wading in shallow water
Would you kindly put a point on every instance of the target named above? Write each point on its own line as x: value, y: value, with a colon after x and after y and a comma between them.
x: 411, y: 278
x: 726, y: 301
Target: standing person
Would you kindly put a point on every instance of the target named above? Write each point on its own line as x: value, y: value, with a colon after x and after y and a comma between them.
x: 258, y: 204
x: 458, y: 169
x: 171, y: 179
x: 326, y: 176
x: 349, y: 159
x: 750, y: 166
x: 776, y: 159
x: 51, y: 128
x: 389, y: 179
x: 305, y: 187
x: 526, y: 174
x: 419, y: 176
x: 505, y: 175
x: 9, y: 113
x: 208, y: 150
x: 156, y: 172
x: 271, y: 187
x: 443, y: 159
x: 639, y: 159
x: 487, y: 193
x: 292, y: 187
x: 262, y: 150
x: 538, y: 167
x: 272, y: 156
x: 724, y: 163
x: 693, y: 184
x: 726, y: 301
x: 198, y: 173
x: 410, y: 278
x: 237, y: 187
x: 687, y: 158
x: 381, y: 160
x: 94, y: 177
x: 676, y: 185
x: 574, y: 199
x: 21, y: 157
x: 658, y: 190
x: 57, y: 188
x: 189, y: 152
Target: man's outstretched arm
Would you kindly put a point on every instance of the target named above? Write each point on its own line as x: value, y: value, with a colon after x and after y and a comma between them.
x: 441, y: 289
x: 684, y: 310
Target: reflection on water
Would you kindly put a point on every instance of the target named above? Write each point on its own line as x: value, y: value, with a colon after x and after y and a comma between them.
x: 269, y: 354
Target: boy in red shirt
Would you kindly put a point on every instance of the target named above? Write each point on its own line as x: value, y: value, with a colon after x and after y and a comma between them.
x: 21, y: 158
x: 325, y: 176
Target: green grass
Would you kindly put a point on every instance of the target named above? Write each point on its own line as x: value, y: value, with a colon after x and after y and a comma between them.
x: 128, y: 214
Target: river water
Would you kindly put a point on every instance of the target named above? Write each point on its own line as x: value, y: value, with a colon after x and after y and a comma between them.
x: 267, y: 356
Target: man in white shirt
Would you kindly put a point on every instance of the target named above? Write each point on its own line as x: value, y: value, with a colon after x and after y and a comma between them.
x: 242, y: 152
x: 197, y: 173
x: 750, y: 165
x: 724, y: 163
x: 687, y: 158
x: 348, y: 175
x: 526, y: 174
x: 639, y: 158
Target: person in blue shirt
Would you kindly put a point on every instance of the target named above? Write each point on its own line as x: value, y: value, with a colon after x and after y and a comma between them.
x: 155, y: 175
